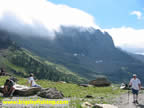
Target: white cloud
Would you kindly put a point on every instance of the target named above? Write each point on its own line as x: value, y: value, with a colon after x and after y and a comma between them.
x: 137, y: 13
x: 127, y: 37
x: 40, y: 16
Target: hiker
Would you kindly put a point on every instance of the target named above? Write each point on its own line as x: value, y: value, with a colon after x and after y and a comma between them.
x: 32, y: 82
x: 136, y: 86
x: 9, y: 87
x: 2, y: 72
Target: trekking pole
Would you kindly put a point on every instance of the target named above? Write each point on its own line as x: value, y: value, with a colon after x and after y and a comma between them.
x: 128, y: 94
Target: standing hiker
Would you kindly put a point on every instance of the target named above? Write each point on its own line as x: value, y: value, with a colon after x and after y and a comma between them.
x: 136, y: 86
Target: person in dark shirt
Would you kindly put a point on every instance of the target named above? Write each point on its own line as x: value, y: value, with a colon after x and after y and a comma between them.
x: 9, y: 87
x: 2, y: 72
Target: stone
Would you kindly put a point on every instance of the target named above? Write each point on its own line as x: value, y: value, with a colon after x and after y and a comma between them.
x: 51, y: 93
x: 88, y: 96
x: 86, y: 105
x: 84, y: 85
x: 62, y: 82
x: 100, y: 82
x: 104, y: 106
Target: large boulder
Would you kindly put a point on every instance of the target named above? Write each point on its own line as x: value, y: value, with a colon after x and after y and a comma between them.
x: 21, y: 90
x: 50, y: 93
x: 100, y: 82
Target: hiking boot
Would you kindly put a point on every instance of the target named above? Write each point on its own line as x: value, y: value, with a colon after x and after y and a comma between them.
x: 136, y: 102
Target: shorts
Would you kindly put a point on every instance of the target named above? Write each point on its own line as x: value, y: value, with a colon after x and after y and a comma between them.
x: 135, y: 91
x: 36, y: 86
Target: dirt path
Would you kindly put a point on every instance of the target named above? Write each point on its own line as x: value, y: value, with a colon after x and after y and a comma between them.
x: 123, y: 102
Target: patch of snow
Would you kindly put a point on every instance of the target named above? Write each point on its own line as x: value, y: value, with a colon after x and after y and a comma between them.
x: 99, y: 61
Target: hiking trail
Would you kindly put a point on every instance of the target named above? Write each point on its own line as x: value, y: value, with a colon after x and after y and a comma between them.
x: 122, y: 101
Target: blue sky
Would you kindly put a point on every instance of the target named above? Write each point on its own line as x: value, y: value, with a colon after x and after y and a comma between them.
x: 110, y: 13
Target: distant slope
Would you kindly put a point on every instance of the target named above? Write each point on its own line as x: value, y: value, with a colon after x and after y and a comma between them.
x: 138, y: 56
x: 86, y: 51
x: 21, y: 62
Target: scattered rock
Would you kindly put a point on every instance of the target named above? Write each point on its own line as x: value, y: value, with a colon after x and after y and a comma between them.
x: 104, y: 106
x: 89, y: 105
x: 97, y: 106
x: 88, y: 96
x: 86, y: 105
x: 100, y: 82
x: 101, y: 97
x: 85, y: 85
x: 50, y: 93
x: 62, y: 82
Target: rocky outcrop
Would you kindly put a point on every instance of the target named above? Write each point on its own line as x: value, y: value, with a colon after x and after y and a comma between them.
x: 100, y: 82
x: 21, y: 90
x: 51, y: 93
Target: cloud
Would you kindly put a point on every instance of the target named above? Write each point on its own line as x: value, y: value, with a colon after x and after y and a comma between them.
x: 127, y: 37
x: 40, y: 17
x: 137, y: 13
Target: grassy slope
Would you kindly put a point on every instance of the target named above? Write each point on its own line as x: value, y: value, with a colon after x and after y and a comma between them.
x: 7, y: 54
x: 77, y: 93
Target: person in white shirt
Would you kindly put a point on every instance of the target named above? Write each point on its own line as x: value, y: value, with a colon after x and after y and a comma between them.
x: 136, y: 86
x: 32, y: 82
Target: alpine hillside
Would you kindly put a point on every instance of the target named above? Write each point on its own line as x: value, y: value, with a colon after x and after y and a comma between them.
x: 86, y: 51
x: 21, y: 62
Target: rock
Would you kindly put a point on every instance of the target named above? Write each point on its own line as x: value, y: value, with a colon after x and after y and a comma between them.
x: 88, y: 96
x: 124, y: 86
x: 86, y: 105
x: 100, y: 82
x: 97, y: 106
x: 50, y: 93
x: 104, y: 106
x: 89, y: 105
x: 85, y: 85
x: 62, y: 82
x: 21, y: 90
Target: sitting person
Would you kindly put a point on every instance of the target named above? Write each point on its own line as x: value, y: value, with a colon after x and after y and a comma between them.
x: 9, y: 87
x: 2, y: 72
x: 32, y: 82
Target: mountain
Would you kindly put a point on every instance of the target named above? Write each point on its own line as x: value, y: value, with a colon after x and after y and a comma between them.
x: 138, y: 56
x: 21, y: 62
x: 86, y: 51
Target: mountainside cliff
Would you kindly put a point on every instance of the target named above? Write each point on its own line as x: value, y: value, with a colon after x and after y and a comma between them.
x: 86, y: 51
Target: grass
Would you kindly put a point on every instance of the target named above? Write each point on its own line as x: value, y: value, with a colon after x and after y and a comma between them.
x: 24, y: 70
x: 77, y: 93
x: 16, y: 68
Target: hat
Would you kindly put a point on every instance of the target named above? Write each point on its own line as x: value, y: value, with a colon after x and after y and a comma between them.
x: 134, y: 75
x: 31, y: 74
